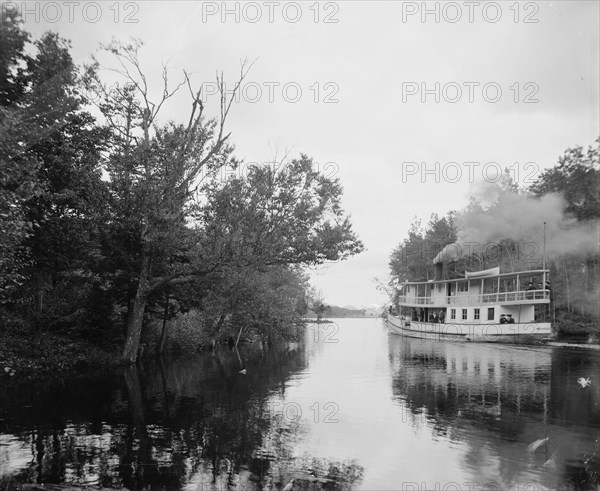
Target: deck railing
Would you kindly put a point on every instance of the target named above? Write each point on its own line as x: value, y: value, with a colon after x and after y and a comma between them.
x: 524, y: 297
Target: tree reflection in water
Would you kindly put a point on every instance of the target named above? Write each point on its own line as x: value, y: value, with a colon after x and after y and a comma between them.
x: 497, y: 400
x: 191, y: 423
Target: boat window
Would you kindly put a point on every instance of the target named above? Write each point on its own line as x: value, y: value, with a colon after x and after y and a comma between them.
x: 476, y: 314
x: 491, y: 315
x: 464, y: 314
x: 452, y: 313
x: 463, y: 286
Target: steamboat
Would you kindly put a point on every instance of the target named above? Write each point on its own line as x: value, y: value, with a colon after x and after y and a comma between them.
x: 482, y: 306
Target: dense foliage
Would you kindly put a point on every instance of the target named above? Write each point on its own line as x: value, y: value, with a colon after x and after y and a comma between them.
x: 118, y: 221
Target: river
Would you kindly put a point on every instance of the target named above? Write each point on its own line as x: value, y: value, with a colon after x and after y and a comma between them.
x: 352, y: 407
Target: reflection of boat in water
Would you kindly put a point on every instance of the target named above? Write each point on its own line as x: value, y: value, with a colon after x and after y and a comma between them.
x: 517, y: 412
x: 483, y: 306
x: 496, y: 379
x: 501, y: 381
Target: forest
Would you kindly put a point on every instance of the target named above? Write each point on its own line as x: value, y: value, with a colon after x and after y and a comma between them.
x: 554, y: 222
x: 120, y: 237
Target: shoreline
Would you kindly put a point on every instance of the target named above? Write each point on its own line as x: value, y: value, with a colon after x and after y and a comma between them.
x: 558, y: 344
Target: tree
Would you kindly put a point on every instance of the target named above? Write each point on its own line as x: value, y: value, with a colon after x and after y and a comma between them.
x: 260, y: 225
x: 50, y: 174
x: 265, y: 303
x: 289, y: 216
x: 412, y: 260
x: 69, y: 155
x: 577, y: 177
x: 319, y: 306
x: 155, y: 169
x: 17, y: 178
x: 12, y: 57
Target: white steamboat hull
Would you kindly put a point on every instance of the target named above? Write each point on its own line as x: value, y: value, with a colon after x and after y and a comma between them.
x: 490, y: 333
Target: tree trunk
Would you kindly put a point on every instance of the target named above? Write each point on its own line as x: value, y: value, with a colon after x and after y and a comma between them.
x: 238, y: 338
x: 163, y: 334
x: 220, y: 323
x: 134, y: 323
x: 130, y: 297
x: 36, y: 333
x: 217, y: 329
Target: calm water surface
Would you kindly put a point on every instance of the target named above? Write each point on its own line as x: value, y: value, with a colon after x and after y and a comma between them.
x: 350, y: 408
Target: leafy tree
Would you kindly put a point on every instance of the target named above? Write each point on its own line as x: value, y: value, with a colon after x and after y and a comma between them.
x: 412, y: 260
x: 577, y: 177
x: 13, y: 79
x: 155, y: 171
x: 257, y: 227
x: 319, y: 307
x: 269, y: 306
x: 63, y: 214
x: 50, y: 176
x: 18, y: 182
x: 289, y: 216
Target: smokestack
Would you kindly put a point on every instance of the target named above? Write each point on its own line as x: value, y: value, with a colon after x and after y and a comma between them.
x: 439, y: 271
x: 452, y: 252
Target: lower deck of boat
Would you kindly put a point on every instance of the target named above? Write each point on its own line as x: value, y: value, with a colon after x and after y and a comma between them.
x: 505, y: 333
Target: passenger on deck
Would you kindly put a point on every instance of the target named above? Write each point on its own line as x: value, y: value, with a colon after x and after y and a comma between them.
x: 442, y: 317
x: 530, y: 288
x: 503, y: 319
x: 510, y: 319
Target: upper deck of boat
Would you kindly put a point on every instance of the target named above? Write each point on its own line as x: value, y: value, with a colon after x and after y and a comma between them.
x: 477, y: 276
x: 479, y: 288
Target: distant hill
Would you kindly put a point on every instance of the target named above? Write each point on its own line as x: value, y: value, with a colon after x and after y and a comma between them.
x: 347, y: 311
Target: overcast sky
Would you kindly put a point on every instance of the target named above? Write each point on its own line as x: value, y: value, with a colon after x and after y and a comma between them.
x: 353, y: 85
